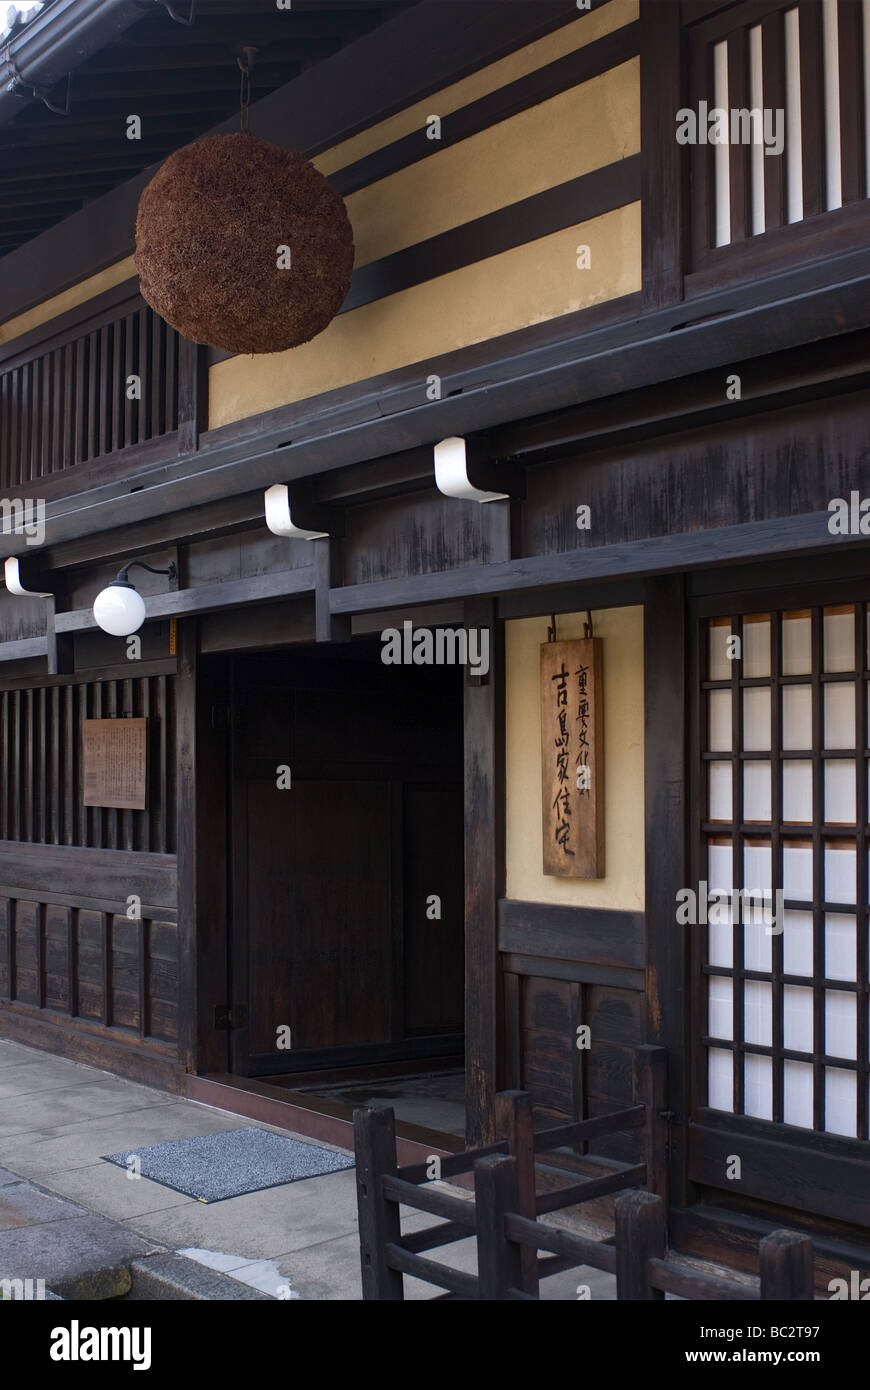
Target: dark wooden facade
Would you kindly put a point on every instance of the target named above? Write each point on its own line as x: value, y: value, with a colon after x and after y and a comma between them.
x: 707, y: 504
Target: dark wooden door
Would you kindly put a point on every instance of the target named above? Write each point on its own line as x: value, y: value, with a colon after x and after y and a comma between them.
x: 347, y: 937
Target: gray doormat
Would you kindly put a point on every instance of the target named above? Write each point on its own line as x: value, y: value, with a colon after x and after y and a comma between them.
x: 212, y: 1167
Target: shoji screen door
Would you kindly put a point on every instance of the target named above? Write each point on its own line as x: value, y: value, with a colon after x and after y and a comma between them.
x: 781, y: 803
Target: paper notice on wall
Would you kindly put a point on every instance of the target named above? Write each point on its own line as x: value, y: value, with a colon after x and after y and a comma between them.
x: 116, y: 763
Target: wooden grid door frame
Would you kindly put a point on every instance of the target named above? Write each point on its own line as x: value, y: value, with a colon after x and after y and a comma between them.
x: 814, y: 1161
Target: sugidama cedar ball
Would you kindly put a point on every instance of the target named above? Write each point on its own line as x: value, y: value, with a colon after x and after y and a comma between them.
x: 213, y: 232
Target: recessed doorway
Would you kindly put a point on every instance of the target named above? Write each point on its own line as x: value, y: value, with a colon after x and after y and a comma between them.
x: 346, y: 943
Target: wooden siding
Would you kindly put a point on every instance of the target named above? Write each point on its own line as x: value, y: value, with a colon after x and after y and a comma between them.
x: 41, y: 736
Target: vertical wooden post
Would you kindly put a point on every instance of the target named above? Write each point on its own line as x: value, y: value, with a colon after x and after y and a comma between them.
x: 484, y: 872
x: 329, y: 627
x: 498, y: 1259
x: 640, y: 1236
x: 186, y: 840
x: 513, y: 1122
x: 664, y: 642
x: 379, y: 1221
x: 650, y: 1090
x: 786, y: 1267
x: 192, y: 395
x: 662, y: 178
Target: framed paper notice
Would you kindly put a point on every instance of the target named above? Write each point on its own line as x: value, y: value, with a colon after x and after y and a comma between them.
x: 572, y: 758
x: 116, y: 763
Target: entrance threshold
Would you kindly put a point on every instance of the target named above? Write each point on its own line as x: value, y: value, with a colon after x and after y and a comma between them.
x: 313, y: 1117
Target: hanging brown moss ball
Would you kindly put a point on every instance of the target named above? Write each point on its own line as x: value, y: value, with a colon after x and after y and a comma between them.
x: 213, y: 225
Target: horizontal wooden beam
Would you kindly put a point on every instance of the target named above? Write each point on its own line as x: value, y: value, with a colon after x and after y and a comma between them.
x: 548, y: 367
x: 722, y: 545
x: 598, y: 936
x: 206, y: 598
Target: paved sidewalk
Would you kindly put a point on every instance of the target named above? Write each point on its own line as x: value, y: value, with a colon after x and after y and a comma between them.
x: 57, y: 1120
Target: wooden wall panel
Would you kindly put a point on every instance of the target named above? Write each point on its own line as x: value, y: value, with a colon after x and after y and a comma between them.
x: 28, y: 929
x: 57, y: 958
x: 92, y: 957
x: 422, y: 534
x: 162, y: 980
x: 41, y: 794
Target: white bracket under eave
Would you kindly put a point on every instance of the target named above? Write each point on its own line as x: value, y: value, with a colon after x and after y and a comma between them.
x: 451, y: 473
x: 278, y: 518
x: 12, y: 578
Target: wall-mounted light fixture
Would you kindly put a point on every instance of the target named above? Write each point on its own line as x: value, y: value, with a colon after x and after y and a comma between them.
x: 16, y: 583
x: 120, y: 609
x: 465, y: 468
x: 298, y: 517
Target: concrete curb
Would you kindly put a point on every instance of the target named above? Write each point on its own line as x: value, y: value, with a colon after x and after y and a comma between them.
x: 175, y: 1278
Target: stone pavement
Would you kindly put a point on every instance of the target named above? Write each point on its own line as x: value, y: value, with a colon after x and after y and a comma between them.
x: 65, y: 1213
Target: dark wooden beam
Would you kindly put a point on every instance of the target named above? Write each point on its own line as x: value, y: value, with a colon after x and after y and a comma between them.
x: 548, y: 367
x: 484, y: 880
x: 663, y: 219
x: 664, y: 646
x: 186, y: 842
x: 192, y: 395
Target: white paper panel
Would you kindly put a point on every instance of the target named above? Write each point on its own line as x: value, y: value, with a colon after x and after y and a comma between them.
x: 757, y: 944
x: 840, y: 791
x: 839, y: 640
x: 756, y: 647
x: 756, y: 719
x: 797, y: 717
x: 756, y: 865
x: 794, y: 144
x: 840, y: 946
x: 721, y: 668
x: 839, y: 715
x: 833, y: 173
x: 797, y: 657
x: 757, y: 1087
x: 720, y: 791
x: 797, y: 872
x: 720, y: 1023
x: 721, y: 152
x: 797, y: 1018
x: 720, y: 875
x: 720, y: 935
x: 840, y: 1019
x: 756, y: 791
x: 757, y: 1013
x: 839, y: 874
x: 841, y: 1094
x: 797, y: 1085
x: 797, y: 790
x: 720, y: 1079
x: 719, y: 727
x: 756, y: 151
x: 797, y: 943
x: 720, y: 944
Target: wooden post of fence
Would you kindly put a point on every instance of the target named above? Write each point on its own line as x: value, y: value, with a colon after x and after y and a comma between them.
x: 514, y: 1123
x: 379, y: 1220
x: 640, y: 1236
x: 786, y: 1267
x: 498, y: 1259
x: 651, y: 1090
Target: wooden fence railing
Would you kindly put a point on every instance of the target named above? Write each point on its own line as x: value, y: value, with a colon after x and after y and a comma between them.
x: 504, y: 1214
x: 382, y: 1187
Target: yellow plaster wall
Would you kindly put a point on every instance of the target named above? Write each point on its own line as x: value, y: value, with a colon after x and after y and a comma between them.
x: 525, y: 285
x: 621, y: 631
x: 70, y: 299
x: 584, y: 30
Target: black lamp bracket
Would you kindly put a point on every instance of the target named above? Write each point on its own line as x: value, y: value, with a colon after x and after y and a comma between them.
x: 172, y: 571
